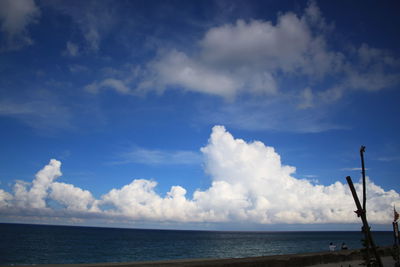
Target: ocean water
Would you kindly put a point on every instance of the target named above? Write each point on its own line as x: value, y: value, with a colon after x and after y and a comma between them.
x: 42, y: 244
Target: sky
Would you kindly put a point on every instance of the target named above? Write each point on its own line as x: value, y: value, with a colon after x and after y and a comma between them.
x: 232, y: 115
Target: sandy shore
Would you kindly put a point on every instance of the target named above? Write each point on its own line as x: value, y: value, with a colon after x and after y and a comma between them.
x: 322, y: 259
x: 387, y: 262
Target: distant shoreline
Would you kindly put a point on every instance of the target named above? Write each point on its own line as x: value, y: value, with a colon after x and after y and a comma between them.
x: 198, y: 230
x: 298, y: 260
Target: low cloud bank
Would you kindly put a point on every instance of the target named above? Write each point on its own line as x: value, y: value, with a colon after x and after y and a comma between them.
x: 249, y: 184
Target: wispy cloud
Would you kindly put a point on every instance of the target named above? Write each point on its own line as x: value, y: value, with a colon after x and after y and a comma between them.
x: 353, y: 169
x: 273, y: 114
x: 86, y: 16
x: 43, y: 112
x: 394, y: 158
x: 310, y: 176
x: 71, y: 50
x: 113, y: 84
x: 160, y: 157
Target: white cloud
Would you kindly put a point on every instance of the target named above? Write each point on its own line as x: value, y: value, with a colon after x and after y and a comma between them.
x: 372, y: 79
x: 258, y: 57
x: 237, y: 58
x: 15, y: 16
x: 5, y: 199
x: 370, y: 70
x: 73, y: 198
x: 368, y: 55
x: 248, y: 57
x: 258, y: 43
x: 176, y: 69
x: 35, y: 196
x: 249, y: 185
x: 138, y: 200
x: 289, y: 67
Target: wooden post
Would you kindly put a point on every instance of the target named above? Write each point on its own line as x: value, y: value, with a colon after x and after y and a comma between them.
x: 362, y: 150
x: 366, y: 229
x: 364, y: 199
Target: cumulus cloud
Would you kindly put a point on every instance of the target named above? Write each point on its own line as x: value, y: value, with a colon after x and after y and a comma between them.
x: 15, y: 16
x: 243, y: 57
x: 35, y: 196
x: 73, y: 198
x: 249, y: 184
x: 5, y: 199
x: 176, y: 68
x: 249, y: 57
x: 258, y: 43
x: 139, y: 201
x: 259, y: 57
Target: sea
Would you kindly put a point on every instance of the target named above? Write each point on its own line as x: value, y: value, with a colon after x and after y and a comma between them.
x: 45, y: 244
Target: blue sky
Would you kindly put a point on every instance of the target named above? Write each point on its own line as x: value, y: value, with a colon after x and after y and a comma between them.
x: 198, y: 114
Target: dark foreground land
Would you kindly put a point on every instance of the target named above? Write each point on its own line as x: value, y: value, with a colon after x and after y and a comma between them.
x: 322, y: 259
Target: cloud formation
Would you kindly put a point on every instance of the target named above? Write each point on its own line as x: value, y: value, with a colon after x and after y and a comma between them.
x: 244, y: 58
x: 256, y: 57
x: 15, y: 16
x: 249, y: 185
x: 265, y: 71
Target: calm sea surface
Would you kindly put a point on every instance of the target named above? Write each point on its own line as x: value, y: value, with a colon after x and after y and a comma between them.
x: 38, y: 244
